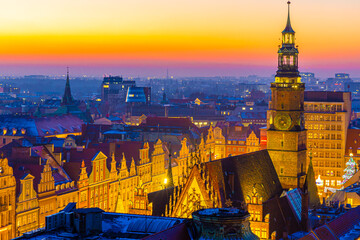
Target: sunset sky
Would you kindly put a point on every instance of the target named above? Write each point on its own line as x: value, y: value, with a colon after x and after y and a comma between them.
x: 199, y: 38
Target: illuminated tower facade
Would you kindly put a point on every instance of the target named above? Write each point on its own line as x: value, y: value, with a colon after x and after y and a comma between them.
x: 286, y: 126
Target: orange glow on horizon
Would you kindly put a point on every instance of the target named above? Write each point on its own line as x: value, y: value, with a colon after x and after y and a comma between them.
x: 230, y: 32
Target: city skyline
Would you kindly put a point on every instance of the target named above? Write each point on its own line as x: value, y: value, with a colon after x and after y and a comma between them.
x: 205, y: 38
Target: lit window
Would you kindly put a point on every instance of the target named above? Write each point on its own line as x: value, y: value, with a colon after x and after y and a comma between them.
x: 327, y: 182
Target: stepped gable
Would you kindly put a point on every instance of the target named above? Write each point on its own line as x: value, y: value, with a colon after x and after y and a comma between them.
x: 130, y: 149
x: 34, y: 165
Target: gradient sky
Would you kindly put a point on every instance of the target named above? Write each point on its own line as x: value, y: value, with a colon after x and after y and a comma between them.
x: 201, y: 37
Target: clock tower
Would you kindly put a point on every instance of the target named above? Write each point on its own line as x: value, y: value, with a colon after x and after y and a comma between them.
x: 286, y: 134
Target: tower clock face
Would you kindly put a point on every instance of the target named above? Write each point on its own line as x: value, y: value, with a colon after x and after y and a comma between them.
x: 282, y: 121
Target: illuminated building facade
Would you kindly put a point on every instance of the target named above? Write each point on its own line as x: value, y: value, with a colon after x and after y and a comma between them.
x: 327, y: 118
x: 238, y: 184
x: 27, y: 206
x: 114, y: 89
x: 7, y: 200
x: 286, y: 135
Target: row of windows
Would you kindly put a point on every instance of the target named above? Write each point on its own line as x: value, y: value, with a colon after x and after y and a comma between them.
x: 332, y: 183
x: 128, y: 183
x: 316, y: 117
x: 236, y: 142
x: 98, y: 191
x: 327, y: 164
x: 27, y: 219
x: 260, y: 234
x: 323, y: 127
x: 27, y: 205
x: 140, y: 204
x: 326, y: 155
x: 47, y: 208
x: 235, y: 149
x: 322, y: 145
x: 64, y: 202
x: 323, y: 107
x: 324, y: 136
x: 255, y: 216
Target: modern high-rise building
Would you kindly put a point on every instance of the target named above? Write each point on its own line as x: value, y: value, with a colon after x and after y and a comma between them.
x: 327, y: 118
x: 286, y: 132
x: 115, y: 88
x: 341, y: 82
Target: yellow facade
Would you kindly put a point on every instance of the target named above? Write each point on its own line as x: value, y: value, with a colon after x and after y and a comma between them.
x: 27, y: 206
x: 113, y: 190
x: 7, y: 200
x: 327, y: 124
x: 259, y: 225
x: 46, y: 195
x: 252, y: 143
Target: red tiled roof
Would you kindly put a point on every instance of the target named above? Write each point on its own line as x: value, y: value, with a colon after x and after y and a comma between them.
x: 177, y: 232
x: 324, y: 232
x: 58, y: 124
x: 73, y: 170
x: 310, y: 236
x: 337, y: 227
x: 345, y: 222
x: 21, y: 169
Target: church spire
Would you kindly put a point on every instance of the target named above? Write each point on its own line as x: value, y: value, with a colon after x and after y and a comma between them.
x: 67, y: 98
x: 288, y: 28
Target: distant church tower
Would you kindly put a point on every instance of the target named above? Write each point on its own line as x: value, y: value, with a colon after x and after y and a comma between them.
x: 67, y: 98
x: 286, y: 134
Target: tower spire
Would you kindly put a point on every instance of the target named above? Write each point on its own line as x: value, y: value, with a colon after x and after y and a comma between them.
x: 67, y: 98
x: 288, y: 28
x: 288, y: 53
